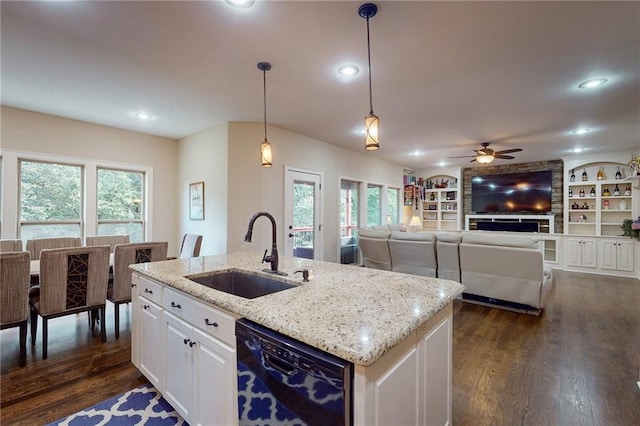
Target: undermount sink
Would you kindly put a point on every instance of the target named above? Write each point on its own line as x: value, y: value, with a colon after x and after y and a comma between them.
x: 241, y: 284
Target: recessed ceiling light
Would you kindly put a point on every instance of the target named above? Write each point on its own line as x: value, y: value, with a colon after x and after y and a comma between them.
x: 581, y: 131
x: 577, y: 150
x: 143, y: 116
x: 591, y: 84
x: 348, y: 70
x: 241, y: 3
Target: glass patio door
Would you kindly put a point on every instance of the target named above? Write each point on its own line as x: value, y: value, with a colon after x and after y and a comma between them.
x: 302, y: 214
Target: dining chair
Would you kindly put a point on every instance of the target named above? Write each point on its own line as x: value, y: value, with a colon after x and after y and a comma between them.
x: 14, y: 295
x: 10, y: 245
x: 110, y: 240
x: 124, y: 255
x: 190, y: 246
x: 72, y: 280
x: 36, y: 245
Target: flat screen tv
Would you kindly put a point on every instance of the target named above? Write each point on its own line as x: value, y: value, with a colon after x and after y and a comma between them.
x: 512, y: 193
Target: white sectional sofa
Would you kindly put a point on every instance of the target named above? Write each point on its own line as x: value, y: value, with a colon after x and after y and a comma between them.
x: 497, y: 269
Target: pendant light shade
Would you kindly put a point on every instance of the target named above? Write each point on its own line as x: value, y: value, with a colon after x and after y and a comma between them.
x: 371, y: 122
x: 485, y: 159
x: 265, y: 147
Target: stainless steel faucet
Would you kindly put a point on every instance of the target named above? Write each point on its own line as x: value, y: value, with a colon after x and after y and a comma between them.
x: 273, y: 257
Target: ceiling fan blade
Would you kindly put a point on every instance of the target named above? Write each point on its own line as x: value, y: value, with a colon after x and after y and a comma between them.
x: 508, y: 151
x: 463, y: 156
x: 472, y: 160
x: 504, y: 157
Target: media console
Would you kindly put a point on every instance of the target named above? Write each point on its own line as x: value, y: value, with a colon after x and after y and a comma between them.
x: 504, y: 222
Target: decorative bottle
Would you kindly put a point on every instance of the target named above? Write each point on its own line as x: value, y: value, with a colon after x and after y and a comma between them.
x: 606, y: 192
x: 618, y: 174
x: 616, y: 191
x: 582, y: 192
x: 570, y: 193
x: 593, y: 191
x: 601, y: 175
x: 572, y: 178
x: 584, y: 175
x: 432, y: 196
x: 627, y: 190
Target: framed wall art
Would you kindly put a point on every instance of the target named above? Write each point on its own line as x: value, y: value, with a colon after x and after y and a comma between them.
x: 196, y: 201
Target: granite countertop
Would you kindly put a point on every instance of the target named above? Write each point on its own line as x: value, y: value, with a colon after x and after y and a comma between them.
x: 352, y: 312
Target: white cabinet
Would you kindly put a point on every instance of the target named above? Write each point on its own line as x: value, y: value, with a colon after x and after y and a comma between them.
x: 581, y: 252
x: 435, y: 375
x: 410, y: 384
x: 146, y: 328
x: 187, y: 351
x: 441, y: 209
x: 616, y: 254
x: 200, y: 369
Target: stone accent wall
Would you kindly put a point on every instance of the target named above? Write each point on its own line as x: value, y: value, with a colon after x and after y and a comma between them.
x: 557, y: 185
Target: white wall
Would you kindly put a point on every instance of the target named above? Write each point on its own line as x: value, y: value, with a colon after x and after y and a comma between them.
x: 253, y: 188
x: 27, y: 131
x: 203, y: 158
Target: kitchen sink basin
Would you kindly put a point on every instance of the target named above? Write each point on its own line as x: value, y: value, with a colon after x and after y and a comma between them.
x: 241, y: 284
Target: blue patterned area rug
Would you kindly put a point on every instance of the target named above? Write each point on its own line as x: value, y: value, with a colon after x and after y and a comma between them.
x: 141, y: 406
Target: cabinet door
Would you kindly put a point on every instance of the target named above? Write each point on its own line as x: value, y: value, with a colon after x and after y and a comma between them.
x: 574, y: 252
x: 135, y: 318
x: 435, y: 376
x: 625, y: 256
x: 149, y: 340
x: 589, y: 253
x: 608, y: 255
x: 180, y: 348
x: 400, y: 379
x: 215, y: 382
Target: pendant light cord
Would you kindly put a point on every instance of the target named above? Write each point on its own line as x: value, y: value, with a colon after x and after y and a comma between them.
x: 369, y: 55
x: 264, y: 85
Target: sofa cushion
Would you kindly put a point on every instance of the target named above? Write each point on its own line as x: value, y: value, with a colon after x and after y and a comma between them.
x: 497, y: 239
x: 373, y: 233
x: 448, y: 237
x: 413, y: 236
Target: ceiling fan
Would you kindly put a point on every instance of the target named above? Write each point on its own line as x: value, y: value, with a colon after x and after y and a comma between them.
x: 487, y: 155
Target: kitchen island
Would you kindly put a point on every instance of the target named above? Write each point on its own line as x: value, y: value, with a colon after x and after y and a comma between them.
x: 395, y: 329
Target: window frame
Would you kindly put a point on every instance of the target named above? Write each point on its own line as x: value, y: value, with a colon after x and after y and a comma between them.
x: 80, y: 222
x: 143, y: 201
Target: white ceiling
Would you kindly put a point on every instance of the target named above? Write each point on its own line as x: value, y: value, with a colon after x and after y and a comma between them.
x: 446, y: 75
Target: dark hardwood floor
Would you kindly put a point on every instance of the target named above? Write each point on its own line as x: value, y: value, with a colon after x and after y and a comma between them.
x: 575, y: 364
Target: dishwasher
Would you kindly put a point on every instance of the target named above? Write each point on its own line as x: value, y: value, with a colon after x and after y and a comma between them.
x: 282, y: 381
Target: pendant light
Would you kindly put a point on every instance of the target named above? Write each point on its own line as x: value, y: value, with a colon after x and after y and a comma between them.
x: 265, y: 147
x: 371, y: 122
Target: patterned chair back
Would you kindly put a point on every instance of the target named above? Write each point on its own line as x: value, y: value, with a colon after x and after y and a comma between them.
x: 110, y: 240
x: 36, y: 245
x: 14, y: 287
x: 73, y: 278
x: 128, y: 254
x: 190, y: 246
x: 10, y: 245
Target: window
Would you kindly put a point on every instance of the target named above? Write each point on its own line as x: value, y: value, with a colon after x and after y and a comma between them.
x: 393, y: 203
x: 349, y: 222
x: 120, y: 200
x: 374, y: 204
x: 50, y: 200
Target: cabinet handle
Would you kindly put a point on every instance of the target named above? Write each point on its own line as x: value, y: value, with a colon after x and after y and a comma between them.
x: 192, y: 344
x: 146, y: 290
x: 132, y: 285
x: 174, y: 305
x: 186, y: 340
x: 207, y: 322
x: 145, y: 307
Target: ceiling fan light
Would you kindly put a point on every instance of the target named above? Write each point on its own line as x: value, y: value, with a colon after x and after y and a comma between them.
x: 484, y: 159
x: 371, y: 132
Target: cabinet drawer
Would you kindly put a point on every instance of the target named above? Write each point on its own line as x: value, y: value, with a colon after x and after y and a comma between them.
x: 212, y: 321
x: 150, y: 290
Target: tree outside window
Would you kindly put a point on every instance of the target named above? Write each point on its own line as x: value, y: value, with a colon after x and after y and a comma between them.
x: 50, y: 200
x: 121, y: 203
x: 374, y: 210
